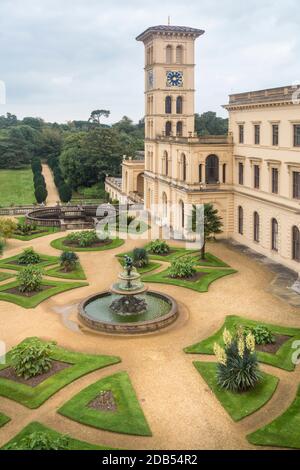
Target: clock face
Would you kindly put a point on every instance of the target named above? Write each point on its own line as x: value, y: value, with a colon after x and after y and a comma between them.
x: 150, y: 79
x: 174, y: 78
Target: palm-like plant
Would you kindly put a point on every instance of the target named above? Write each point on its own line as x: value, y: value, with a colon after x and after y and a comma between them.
x: 68, y: 261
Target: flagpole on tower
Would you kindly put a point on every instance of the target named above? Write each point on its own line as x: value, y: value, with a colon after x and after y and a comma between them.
x: 169, y: 20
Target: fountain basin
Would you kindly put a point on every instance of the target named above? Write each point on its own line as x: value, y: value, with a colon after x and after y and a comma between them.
x: 95, y: 313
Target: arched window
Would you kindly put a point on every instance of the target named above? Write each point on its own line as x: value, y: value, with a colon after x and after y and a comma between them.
x: 224, y: 173
x: 256, y: 227
x: 181, y: 213
x: 179, y: 55
x: 169, y: 53
x: 165, y: 205
x: 274, y: 226
x: 179, y: 105
x: 179, y: 129
x: 183, y: 167
x: 241, y: 220
x: 212, y: 169
x: 168, y: 105
x: 296, y: 243
x: 168, y: 128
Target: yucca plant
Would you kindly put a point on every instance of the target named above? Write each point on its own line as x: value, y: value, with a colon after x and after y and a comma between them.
x: 237, y: 369
x: 140, y: 257
x: 68, y: 261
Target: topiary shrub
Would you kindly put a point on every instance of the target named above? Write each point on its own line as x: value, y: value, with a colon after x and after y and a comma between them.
x: 262, y: 334
x: 29, y: 256
x: 41, y: 194
x: 30, y: 279
x: 32, y: 358
x: 65, y: 192
x: 40, y: 440
x: 7, y: 227
x: 159, y: 247
x: 140, y: 257
x: 68, y: 261
x: 237, y: 369
x: 182, y: 268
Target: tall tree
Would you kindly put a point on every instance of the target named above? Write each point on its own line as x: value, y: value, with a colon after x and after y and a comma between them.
x: 211, y: 224
x: 97, y: 115
x: 209, y: 123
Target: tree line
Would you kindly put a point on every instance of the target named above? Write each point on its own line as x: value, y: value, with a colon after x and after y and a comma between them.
x: 80, y: 153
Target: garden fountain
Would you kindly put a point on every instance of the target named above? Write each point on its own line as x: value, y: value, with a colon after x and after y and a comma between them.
x: 128, y: 307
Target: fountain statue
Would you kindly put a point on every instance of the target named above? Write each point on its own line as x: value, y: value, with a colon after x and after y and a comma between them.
x: 129, y: 285
x: 128, y: 306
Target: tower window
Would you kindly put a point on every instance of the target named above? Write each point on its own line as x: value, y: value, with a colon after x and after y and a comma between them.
x: 168, y: 105
x: 224, y: 173
x: 168, y: 128
x: 179, y: 128
x: 179, y: 105
x: 275, y: 178
x: 256, y: 227
x: 241, y: 173
x: 179, y: 55
x: 200, y: 172
x: 256, y: 176
x: 240, y: 220
x: 295, y: 243
x: 169, y: 53
x: 257, y: 134
x: 212, y: 169
x: 297, y: 135
x: 241, y: 133
x: 183, y: 167
x: 274, y: 225
x: 275, y: 135
x: 296, y: 184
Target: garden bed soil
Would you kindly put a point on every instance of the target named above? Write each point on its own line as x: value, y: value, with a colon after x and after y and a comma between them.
x: 193, y: 278
x: 16, y: 263
x: 15, y: 291
x: 105, y: 401
x: 10, y: 374
x: 272, y: 348
x: 93, y: 245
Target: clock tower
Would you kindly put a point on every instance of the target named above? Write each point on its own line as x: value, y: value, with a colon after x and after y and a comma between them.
x: 169, y: 86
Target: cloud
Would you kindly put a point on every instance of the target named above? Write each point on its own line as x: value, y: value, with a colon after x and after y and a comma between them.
x: 60, y: 60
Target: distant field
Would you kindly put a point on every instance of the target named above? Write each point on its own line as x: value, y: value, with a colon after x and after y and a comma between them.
x: 16, y: 187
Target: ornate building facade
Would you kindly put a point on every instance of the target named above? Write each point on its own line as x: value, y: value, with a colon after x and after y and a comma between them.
x: 251, y: 175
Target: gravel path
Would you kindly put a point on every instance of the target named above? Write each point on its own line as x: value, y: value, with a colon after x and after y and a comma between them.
x: 181, y: 410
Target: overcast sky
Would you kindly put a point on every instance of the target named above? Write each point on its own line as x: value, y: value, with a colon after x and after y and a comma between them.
x: 60, y: 59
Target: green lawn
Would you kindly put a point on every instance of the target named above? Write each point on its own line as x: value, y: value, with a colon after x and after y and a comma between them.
x: 76, y: 274
x: 33, y: 427
x: 4, y: 276
x: 128, y: 418
x: 210, y: 261
x: 238, y: 405
x: 284, y: 431
x: 175, y: 253
x: 59, y: 245
x: 31, y: 302
x: 3, y: 419
x: 16, y: 187
x: 10, y: 263
x: 201, y: 285
x: 33, y: 397
x: 282, y: 358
